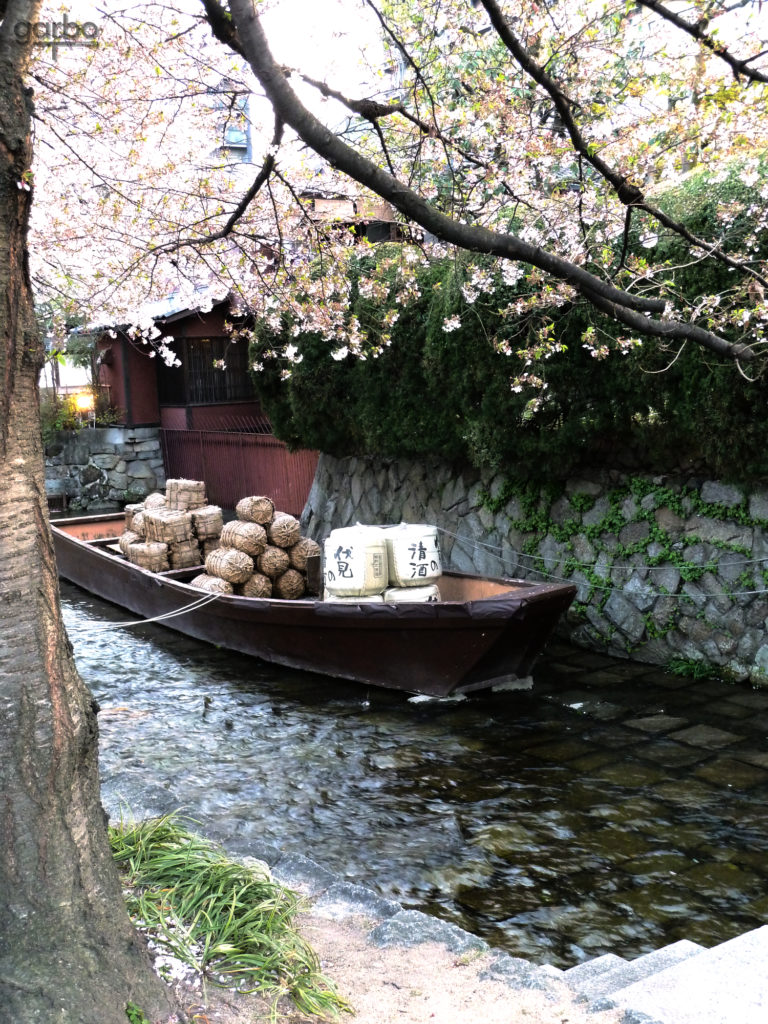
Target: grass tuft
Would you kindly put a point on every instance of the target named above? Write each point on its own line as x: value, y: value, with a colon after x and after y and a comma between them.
x: 229, y: 924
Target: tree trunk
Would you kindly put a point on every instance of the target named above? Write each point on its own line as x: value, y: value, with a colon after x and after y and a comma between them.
x: 68, y: 952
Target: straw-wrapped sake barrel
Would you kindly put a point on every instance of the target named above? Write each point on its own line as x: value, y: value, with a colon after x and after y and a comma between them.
x: 255, y: 509
x: 184, y: 495
x: 284, y: 531
x: 213, y: 544
x: 273, y: 562
x: 130, y: 512
x: 304, y: 548
x: 169, y: 526
x: 150, y: 555
x: 257, y: 585
x: 213, y: 584
x: 290, y: 586
x: 207, y: 522
x: 137, y: 524
x: 127, y: 538
x: 229, y: 564
x: 185, y: 555
x: 248, y: 537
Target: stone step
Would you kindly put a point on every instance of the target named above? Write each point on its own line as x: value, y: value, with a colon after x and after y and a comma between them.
x: 617, y: 976
x: 581, y: 974
x: 727, y: 984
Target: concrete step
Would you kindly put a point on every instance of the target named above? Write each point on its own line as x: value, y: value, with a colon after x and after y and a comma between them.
x: 727, y: 984
x: 590, y: 986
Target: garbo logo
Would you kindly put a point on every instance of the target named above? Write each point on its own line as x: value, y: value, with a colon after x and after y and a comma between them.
x: 56, y: 34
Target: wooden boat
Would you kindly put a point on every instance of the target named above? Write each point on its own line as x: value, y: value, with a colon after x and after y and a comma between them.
x: 485, y: 632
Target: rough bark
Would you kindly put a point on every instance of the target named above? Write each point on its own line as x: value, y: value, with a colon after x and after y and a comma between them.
x: 68, y: 952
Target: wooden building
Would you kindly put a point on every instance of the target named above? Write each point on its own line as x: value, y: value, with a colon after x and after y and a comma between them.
x: 211, y: 424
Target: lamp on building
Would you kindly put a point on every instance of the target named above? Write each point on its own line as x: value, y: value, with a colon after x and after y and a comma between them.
x: 85, y: 403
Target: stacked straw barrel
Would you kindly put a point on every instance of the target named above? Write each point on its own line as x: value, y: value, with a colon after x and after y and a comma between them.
x: 260, y: 553
x: 175, y: 530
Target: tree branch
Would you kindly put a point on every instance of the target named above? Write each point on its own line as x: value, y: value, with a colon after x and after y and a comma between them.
x: 628, y: 193
x: 622, y: 306
x: 698, y: 31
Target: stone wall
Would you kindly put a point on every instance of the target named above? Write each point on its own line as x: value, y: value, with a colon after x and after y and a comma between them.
x: 668, y: 570
x: 101, y: 467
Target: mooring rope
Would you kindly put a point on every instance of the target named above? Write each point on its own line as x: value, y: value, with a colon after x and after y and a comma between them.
x: 629, y: 569
x: 102, y: 627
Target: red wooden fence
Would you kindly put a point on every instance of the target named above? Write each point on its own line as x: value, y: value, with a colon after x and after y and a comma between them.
x: 237, y: 465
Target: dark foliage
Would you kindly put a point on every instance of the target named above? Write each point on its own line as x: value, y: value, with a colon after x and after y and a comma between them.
x: 432, y: 392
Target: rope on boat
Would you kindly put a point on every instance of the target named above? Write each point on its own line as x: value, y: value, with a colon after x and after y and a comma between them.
x: 194, y: 606
x: 629, y: 569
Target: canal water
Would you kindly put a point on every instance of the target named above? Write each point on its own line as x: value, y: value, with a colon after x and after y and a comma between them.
x: 612, y: 808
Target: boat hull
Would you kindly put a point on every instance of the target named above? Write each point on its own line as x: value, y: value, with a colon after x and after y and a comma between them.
x: 435, y: 648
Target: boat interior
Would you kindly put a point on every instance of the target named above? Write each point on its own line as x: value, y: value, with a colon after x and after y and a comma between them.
x: 104, y: 532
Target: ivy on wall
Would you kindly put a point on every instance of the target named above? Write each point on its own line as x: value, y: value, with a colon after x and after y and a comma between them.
x: 603, y: 540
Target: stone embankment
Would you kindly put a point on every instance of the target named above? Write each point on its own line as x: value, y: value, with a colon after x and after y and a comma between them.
x: 101, y: 467
x: 667, y: 569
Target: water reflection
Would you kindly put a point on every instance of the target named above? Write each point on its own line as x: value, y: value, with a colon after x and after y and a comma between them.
x: 601, y: 812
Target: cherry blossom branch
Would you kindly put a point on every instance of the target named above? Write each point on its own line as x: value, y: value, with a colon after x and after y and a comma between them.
x: 267, y: 168
x: 698, y: 31
x: 372, y: 110
x: 622, y: 306
x: 627, y: 192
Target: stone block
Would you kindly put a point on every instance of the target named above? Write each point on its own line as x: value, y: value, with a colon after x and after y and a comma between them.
x: 118, y: 481
x: 621, y: 975
x: 634, y: 533
x: 640, y: 594
x: 759, y: 671
x: 724, y: 985
x: 585, y: 972
x: 141, y: 433
x: 629, y: 508
x: 583, y: 487
x: 552, y: 552
x: 715, y: 493
x: 597, y: 513
x: 665, y: 578
x: 342, y: 899
x: 714, y: 530
x: 695, y: 593
x: 583, y: 550
x: 758, y: 505
x: 668, y: 520
x: 603, y: 565
x: 106, y: 460
x: 139, y: 470
x: 412, y: 928
x: 487, y: 518
x: 749, y: 644
x: 561, y: 511
x: 625, y: 616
